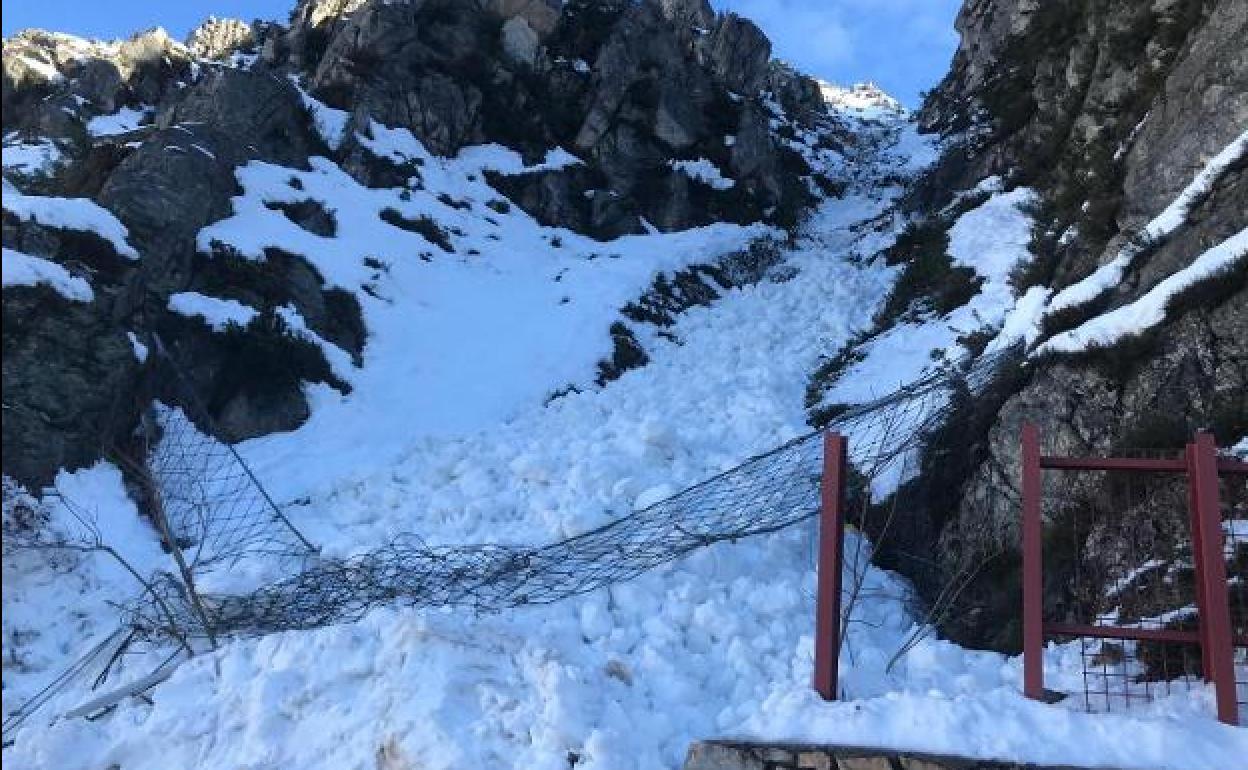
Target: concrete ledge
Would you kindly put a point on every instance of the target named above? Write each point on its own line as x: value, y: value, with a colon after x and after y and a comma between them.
x: 744, y: 755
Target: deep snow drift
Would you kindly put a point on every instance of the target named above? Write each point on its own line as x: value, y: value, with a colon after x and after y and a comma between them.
x: 446, y: 434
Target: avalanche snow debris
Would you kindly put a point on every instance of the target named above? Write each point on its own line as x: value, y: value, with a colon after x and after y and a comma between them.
x: 445, y: 430
x: 991, y: 239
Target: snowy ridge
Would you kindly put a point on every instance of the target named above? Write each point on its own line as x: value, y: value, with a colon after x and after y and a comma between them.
x: 862, y: 99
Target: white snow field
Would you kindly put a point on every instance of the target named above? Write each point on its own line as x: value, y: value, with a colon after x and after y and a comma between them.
x: 446, y: 434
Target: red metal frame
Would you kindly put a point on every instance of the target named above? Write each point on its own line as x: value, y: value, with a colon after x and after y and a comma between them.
x: 1033, y: 569
x: 831, y: 548
x: 1202, y: 466
x: 1215, y: 612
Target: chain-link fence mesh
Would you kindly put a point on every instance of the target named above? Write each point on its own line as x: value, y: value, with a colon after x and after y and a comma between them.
x: 219, y: 512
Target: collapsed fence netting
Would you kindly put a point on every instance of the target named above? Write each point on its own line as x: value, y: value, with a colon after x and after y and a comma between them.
x: 765, y: 494
x: 214, y: 513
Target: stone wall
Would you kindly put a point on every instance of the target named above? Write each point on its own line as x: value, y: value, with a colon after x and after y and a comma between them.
x: 732, y: 755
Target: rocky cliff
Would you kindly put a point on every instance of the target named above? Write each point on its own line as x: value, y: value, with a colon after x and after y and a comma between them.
x: 1119, y: 125
x: 144, y: 138
x: 1129, y: 120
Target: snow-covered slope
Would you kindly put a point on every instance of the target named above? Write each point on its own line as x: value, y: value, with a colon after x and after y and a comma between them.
x: 716, y: 645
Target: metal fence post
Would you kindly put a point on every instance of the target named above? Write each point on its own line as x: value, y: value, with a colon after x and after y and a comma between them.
x: 1215, y: 610
x: 1033, y: 569
x: 1198, y: 572
x: 831, y: 548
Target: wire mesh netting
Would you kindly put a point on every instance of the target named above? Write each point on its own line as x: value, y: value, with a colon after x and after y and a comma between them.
x: 1126, y: 539
x: 219, y: 512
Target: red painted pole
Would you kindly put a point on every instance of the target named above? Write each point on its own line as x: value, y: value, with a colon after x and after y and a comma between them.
x: 1033, y: 567
x: 1215, y: 613
x: 831, y: 548
x: 1193, y: 508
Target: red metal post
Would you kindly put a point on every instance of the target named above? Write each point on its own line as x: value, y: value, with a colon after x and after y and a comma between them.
x: 831, y: 548
x: 1193, y: 510
x: 1215, y: 612
x: 1033, y: 568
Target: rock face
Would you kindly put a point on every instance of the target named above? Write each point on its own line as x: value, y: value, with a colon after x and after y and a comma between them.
x: 628, y: 87
x: 1109, y: 110
x: 218, y: 38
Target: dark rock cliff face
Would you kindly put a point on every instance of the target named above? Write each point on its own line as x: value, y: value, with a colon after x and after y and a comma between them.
x: 628, y: 86
x: 1108, y: 109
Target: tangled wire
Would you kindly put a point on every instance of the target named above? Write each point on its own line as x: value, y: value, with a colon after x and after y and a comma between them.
x: 218, y: 512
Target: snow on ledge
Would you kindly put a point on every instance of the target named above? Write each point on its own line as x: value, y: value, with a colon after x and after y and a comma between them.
x: 1110, y: 274
x: 30, y: 158
x: 81, y: 214
x: 217, y: 312
x: 21, y: 269
x: 123, y: 121
x: 495, y: 157
x: 331, y: 123
x: 1150, y: 309
x: 703, y: 171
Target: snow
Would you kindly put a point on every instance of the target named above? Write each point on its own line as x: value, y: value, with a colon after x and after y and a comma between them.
x: 862, y: 99
x: 446, y: 434
x: 32, y: 157
x: 70, y: 214
x: 123, y: 121
x: 339, y: 359
x: 218, y: 313
x: 503, y: 327
x: 330, y: 123
x: 705, y: 172
x: 1024, y: 323
x: 991, y: 239
x: 43, y: 69
x: 1150, y: 309
x: 1170, y: 219
x: 21, y: 269
x: 42, y: 595
x: 140, y: 350
x: 492, y: 157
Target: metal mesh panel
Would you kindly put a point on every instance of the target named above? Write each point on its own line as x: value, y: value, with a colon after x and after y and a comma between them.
x: 1127, y: 538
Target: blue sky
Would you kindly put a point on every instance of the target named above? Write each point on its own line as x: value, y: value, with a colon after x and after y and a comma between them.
x: 904, y: 45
